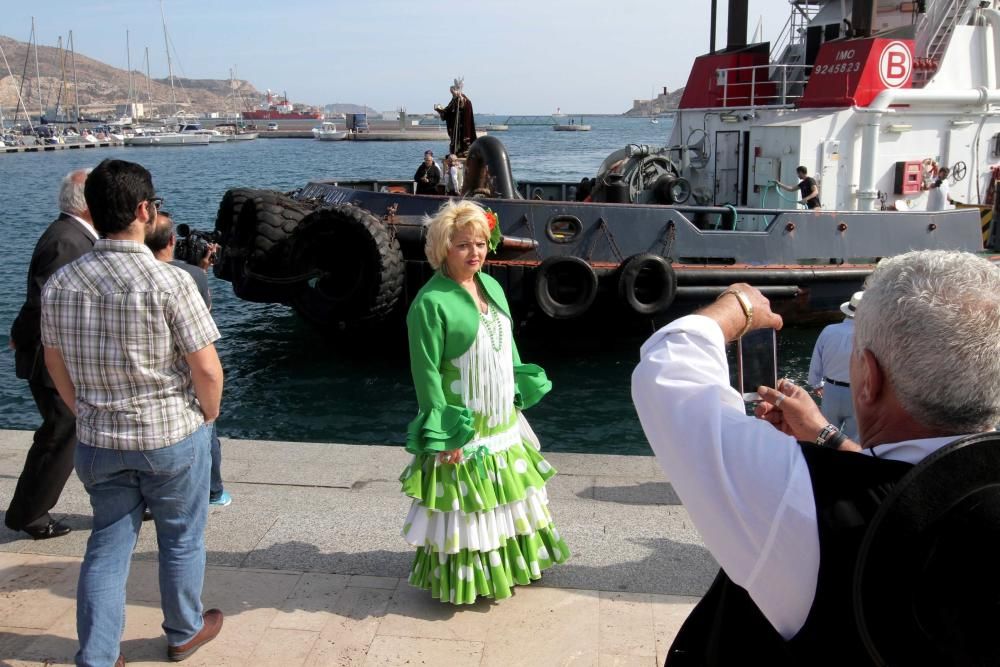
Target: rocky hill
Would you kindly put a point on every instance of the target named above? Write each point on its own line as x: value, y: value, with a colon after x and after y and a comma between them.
x: 100, y: 87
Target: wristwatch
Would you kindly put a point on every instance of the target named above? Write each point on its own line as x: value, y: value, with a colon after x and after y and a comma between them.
x: 830, y: 437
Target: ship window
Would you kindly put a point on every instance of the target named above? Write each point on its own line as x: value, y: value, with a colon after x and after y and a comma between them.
x: 563, y: 228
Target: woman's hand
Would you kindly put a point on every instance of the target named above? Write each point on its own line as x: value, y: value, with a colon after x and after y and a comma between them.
x: 450, y: 456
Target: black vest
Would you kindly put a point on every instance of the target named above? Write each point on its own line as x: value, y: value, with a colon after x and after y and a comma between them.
x: 727, y: 628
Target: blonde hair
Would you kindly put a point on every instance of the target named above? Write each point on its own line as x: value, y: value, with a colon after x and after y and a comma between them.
x: 452, y: 217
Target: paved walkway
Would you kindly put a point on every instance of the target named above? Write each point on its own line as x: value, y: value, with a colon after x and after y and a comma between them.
x: 308, y: 565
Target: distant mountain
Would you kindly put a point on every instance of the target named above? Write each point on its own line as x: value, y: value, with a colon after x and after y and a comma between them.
x: 100, y: 87
x: 340, y: 107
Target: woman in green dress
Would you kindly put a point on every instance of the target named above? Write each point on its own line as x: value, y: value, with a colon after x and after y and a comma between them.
x: 480, y: 518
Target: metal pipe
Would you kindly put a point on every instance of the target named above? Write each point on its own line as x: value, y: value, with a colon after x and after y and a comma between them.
x: 728, y: 276
x: 992, y: 17
x: 711, y: 33
x: 707, y: 293
x: 736, y: 31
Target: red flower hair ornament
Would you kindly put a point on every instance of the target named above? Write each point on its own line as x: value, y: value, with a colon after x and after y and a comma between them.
x: 493, y: 242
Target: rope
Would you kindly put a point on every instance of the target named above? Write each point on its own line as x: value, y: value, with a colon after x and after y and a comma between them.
x: 777, y: 191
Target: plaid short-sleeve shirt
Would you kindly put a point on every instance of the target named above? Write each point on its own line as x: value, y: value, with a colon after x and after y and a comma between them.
x: 124, y: 323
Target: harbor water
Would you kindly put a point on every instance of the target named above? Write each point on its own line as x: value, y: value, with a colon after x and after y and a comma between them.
x: 285, y: 381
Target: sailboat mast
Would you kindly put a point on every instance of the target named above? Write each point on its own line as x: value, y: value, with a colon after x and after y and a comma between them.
x: 149, y: 85
x: 38, y: 75
x: 76, y: 89
x: 128, y: 59
x: 170, y: 68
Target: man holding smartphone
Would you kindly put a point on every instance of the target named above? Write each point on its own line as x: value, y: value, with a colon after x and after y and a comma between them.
x: 782, y: 511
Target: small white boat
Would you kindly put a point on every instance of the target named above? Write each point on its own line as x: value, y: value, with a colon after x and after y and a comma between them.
x: 167, y: 139
x: 654, y: 121
x: 214, y: 136
x: 328, y: 132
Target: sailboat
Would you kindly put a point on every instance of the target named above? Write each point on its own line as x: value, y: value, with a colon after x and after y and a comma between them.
x: 169, y: 138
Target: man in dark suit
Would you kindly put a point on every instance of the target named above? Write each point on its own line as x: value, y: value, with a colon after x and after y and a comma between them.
x: 50, y: 459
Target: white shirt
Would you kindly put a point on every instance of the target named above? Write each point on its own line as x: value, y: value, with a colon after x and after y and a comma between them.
x: 83, y: 223
x: 451, y: 180
x: 745, y: 484
x: 832, y: 353
x: 937, y: 197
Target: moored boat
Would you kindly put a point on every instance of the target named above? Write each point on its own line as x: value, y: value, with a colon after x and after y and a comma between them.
x: 328, y: 132
x: 658, y: 231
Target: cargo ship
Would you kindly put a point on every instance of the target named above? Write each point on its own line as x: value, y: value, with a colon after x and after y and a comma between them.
x: 279, y: 108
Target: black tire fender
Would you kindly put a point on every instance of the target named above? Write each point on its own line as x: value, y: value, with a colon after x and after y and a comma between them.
x: 647, y: 284
x: 225, y: 224
x: 357, y: 264
x: 565, y: 287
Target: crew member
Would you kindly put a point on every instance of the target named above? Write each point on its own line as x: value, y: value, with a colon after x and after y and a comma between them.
x: 807, y: 187
x: 939, y: 197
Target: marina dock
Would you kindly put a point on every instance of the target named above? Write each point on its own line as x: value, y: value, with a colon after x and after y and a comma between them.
x: 310, y: 569
x: 45, y: 148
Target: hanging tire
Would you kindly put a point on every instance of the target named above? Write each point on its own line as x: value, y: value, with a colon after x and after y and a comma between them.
x: 647, y: 284
x: 565, y: 287
x: 356, y: 264
x: 225, y: 223
x: 260, y: 264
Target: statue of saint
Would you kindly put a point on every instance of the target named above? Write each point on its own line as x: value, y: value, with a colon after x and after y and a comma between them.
x: 459, y: 118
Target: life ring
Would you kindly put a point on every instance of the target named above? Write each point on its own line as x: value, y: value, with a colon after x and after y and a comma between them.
x: 647, y: 284
x: 565, y: 287
x: 356, y: 265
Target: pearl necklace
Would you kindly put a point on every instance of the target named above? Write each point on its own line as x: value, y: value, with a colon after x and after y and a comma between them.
x: 494, y: 326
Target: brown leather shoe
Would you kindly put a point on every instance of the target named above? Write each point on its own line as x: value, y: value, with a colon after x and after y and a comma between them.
x: 120, y: 662
x: 213, y: 624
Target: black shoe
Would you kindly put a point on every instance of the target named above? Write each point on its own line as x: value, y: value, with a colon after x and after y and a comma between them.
x: 147, y: 514
x: 51, y: 529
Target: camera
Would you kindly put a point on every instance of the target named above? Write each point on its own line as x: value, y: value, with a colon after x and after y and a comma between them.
x: 192, y: 245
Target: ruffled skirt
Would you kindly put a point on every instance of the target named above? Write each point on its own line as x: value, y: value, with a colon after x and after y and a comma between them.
x: 483, y: 525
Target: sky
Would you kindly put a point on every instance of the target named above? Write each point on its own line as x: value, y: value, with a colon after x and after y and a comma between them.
x: 516, y: 56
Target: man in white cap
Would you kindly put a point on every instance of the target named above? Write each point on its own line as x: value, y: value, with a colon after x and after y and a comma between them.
x: 828, y: 371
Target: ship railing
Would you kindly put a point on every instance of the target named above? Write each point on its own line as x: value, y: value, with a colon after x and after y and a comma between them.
x: 794, y: 31
x: 783, y: 80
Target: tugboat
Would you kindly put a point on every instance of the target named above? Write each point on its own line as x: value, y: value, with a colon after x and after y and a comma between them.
x: 870, y: 102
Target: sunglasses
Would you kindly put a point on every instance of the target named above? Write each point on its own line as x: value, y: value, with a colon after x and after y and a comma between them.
x: 157, y: 202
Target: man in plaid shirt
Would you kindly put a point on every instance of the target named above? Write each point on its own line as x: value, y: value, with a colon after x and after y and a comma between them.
x: 129, y: 344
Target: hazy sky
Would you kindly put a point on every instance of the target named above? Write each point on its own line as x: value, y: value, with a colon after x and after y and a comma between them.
x: 517, y: 56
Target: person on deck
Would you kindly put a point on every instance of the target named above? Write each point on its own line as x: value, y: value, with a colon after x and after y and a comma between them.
x: 428, y: 175
x: 807, y: 187
x: 479, y: 516
x: 459, y: 119
x: 939, y: 197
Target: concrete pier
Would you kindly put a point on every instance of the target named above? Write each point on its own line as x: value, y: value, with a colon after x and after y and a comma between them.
x: 45, y: 148
x: 309, y: 566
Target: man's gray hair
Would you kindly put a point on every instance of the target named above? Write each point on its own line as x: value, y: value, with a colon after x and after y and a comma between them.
x: 71, y: 199
x: 932, y: 319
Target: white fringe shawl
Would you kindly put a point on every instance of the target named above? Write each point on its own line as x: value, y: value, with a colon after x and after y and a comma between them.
x: 487, y: 375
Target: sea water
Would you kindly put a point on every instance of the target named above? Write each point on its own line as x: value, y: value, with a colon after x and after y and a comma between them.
x: 286, y: 381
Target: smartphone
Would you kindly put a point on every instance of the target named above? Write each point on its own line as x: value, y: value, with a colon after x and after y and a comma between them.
x: 757, y: 362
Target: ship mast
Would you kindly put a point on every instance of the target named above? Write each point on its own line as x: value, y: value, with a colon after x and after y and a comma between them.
x: 76, y: 90
x: 170, y: 67
x: 149, y: 86
x: 19, y: 100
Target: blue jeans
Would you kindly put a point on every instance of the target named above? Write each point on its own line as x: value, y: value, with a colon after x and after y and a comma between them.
x: 171, y: 481
x: 838, y: 408
x: 215, y: 488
